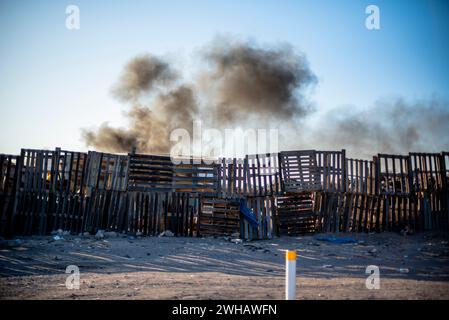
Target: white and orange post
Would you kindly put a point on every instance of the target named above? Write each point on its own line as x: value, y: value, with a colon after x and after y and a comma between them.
x: 290, y: 275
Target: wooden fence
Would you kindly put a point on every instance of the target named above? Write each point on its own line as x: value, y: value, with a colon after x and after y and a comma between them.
x: 264, y: 209
x: 255, y: 175
x: 159, y: 173
x: 8, y: 178
x: 289, y: 192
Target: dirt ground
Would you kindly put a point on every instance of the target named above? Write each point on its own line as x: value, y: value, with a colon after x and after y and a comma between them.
x: 130, y: 267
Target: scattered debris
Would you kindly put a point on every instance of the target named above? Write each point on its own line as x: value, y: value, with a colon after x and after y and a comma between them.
x: 166, y: 233
x: 237, y: 241
x: 402, y: 258
x: 99, y: 235
x: 407, y: 231
x: 58, y: 232
x: 57, y: 238
x: 11, y: 243
x: 337, y: 240
x: 251, y: 247
x: 3, y: 244
x: 110, y: 234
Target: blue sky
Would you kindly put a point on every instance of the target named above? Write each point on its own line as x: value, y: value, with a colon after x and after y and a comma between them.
x: 55, y: 81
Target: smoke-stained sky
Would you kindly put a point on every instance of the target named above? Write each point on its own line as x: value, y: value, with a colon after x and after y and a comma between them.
x: 50, y: 75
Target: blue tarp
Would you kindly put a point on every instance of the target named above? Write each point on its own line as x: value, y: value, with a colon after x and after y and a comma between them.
x: 337, y: 240
x: 248, y: 214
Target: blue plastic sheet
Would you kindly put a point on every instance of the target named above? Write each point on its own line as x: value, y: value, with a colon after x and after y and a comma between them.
x: 337, y: 240
x: 248, y: 214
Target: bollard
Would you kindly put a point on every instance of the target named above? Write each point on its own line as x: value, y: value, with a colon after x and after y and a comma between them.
x: 290, y: 275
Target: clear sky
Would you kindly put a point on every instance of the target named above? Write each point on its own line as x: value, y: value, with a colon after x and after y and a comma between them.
x: 55, y: 81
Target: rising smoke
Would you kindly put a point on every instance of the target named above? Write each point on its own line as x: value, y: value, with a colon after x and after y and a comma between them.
x: 245, y: 80
x: 142, y: 75
x: 149, y: 126
x: 244, y: 85
x: 392, y: 125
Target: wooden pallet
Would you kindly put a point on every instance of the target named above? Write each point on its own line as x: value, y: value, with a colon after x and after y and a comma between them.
x: 153, y: 213
x: 50, y: 187
x: 254, y: 175
x: 300, y: 171
x: 264, y: 210
x: 428, y: 171
x: 8, y: 179
x: 295, y: 214
x: 354, y: 212
x: 106, y: 171
x: 393, y: 174
x: 218, y: 217
x: 361, y: 176
x: 332, y: 170
x: 159, y: 173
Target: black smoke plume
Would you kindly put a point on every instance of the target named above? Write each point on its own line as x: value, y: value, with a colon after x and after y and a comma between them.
x: 243, y: 84
x: 246, y: 80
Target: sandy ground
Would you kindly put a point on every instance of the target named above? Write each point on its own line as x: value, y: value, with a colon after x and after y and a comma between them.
x: 127, y: 267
